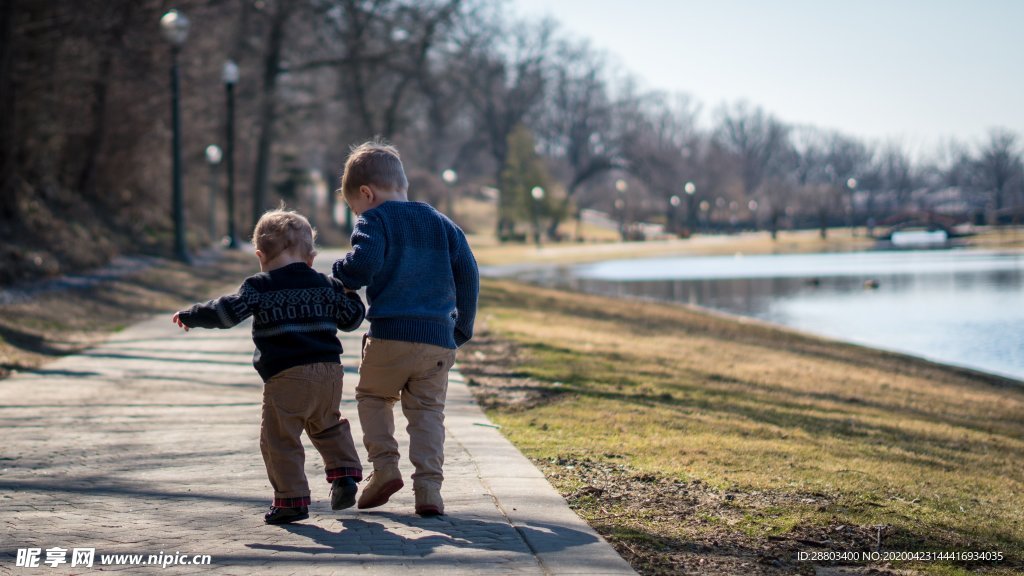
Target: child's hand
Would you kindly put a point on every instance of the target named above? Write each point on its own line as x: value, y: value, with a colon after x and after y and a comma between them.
x: 178, y: 321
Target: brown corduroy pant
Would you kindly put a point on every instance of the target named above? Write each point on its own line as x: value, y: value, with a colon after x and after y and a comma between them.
x: 306, y: 398
x: 417, y: 375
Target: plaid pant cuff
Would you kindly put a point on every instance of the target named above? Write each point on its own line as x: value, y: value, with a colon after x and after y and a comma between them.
x: 335, y: 473
x: 292, y: 502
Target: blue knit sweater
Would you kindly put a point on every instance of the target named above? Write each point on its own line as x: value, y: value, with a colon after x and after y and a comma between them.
x: 420, y: 275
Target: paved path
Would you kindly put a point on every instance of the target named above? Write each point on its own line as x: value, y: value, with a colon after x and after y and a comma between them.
x: 149, y: 444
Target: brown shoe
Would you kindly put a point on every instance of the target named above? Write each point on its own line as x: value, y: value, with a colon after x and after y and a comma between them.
x: 380, y: 486
x: 429, y: 501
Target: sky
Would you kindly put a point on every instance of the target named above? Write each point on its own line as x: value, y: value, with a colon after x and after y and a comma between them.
x: 914, y: 72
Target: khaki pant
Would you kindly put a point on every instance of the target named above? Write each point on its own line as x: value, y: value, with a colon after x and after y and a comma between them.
x: 416, y: 374
x: 306, y: 398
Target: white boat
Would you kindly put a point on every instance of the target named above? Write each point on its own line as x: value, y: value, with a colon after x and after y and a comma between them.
x: 919, y: 237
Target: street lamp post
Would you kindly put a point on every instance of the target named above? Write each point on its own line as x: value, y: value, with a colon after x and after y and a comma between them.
x: 450, y: 177
x: 174, y: 26
x: 213, y: 156
x: 690, y: 189
x: 673, y: 206
x: 851, y: 184
x: 538, y: 194
x: 622, y: 187
x: 230, y: 79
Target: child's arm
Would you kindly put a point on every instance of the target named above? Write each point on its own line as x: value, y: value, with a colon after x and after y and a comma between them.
x: 351, y: 310
x: 358, y: 266
x: 223, y: 312
x: 467, y: 290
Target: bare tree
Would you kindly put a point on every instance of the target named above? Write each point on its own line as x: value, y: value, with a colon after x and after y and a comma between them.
x: 715, y: 174
x: 507, y: 82
x: 447, y: 138
x: 575, y: 125
x: 69, y: 64
x: 387, y: 60
x: 898, y: 178
x: 998, y: 165
x: 8, y: 143
x: 760, y: 144
x: 381, y: 50
x: 824, y: 164
x: 954, y: 164
x: 116, y: 16
x: 661, y: 151
x: 84, y: 96
x: 757, y: 139
x: 813, y: 172
x: 946, y: 178
x: 268, y: 108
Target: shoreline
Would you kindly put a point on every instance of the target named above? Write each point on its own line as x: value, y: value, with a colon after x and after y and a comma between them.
x: 1007, y: 379
x: 995, y: 378
x: 533, y: 274
x: 490, y: 252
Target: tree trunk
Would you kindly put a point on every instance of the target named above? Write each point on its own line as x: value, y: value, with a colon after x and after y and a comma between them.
x: 354, y: 82
x: 112, y: 42
x: 8, y: 200
x: 271, y: 70
x: 560, y: 212
x: 581, y: 175
x: 556, y: 219
x: 94, y: 142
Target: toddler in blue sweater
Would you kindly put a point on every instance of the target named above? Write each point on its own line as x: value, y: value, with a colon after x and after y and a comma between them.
x: 421, y: 284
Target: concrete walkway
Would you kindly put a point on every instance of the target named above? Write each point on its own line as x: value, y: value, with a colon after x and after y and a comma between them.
x: 149, y: 445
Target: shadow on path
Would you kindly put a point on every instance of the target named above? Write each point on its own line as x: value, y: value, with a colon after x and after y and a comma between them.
x: 93, y: 486
x: 177, y: 360
x: 363, y: 536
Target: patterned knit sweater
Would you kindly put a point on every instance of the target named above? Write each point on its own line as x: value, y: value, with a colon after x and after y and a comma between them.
x: 421, y: 277
x: 296, y: 314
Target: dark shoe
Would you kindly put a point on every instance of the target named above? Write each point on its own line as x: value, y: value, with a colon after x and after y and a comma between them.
x: 285, y: 515
x: 343, y: 493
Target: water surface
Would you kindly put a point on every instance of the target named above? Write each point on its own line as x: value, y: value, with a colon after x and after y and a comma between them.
x: 961, y: 307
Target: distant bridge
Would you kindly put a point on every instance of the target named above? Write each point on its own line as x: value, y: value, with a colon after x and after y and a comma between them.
x: 930, y: 221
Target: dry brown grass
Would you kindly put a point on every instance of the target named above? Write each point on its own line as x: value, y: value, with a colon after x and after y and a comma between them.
x: 807, y: 435
x: 490, y: 252
x: 60, y: 322
x: 1002, y: 237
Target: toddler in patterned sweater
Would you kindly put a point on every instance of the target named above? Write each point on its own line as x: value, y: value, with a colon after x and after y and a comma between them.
x: 296, y: 313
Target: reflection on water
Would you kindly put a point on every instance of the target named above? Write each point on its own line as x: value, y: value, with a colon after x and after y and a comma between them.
x: 958, y: 307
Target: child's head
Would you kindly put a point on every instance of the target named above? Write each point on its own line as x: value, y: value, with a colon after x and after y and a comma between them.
x: 373, y: 169
x: 284, y: 232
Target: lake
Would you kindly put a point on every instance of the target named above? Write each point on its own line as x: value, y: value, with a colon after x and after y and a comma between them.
x: 960, y: 307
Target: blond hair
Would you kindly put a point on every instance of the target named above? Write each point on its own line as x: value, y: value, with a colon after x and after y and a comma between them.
x: 280, y: 230
x: 374, y: 163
